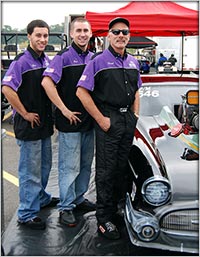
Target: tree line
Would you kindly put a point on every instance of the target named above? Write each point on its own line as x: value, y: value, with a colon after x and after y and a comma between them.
x: 58, y: 28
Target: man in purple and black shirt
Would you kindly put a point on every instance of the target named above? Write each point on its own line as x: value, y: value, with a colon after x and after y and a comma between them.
x: 74, y: 124
x: 33, y: 124
x: 108, y: 89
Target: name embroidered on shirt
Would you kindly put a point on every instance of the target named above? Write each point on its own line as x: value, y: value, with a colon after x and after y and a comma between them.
x: 7, y: 78
x: 46, y: 63
x: 50, y: 70
x: 83, y: 77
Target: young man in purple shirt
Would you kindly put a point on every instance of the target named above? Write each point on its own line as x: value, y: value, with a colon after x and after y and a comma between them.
x: 33, y: 125
x: 108, y: 89
x: 74, y: 124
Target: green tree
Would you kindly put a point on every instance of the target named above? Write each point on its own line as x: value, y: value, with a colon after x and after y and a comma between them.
x: 8, y: 28
x: 14, y: 37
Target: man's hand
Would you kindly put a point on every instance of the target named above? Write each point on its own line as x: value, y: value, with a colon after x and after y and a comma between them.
x: 104, y: 123
x: 71, y: 116
x: 32, y: 118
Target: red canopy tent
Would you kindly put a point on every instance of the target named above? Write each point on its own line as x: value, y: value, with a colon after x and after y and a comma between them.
x: 149, y: 19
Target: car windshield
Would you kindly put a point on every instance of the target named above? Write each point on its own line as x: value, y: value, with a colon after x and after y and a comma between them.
x: 153, y: 96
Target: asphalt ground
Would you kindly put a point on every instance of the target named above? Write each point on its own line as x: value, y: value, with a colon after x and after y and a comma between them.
x: 9, y: 177
x: 9, y: 174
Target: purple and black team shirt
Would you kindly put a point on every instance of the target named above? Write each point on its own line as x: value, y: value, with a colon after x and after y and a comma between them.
x: 24, y: 76
x: 65, y: 70
x: 112, y: 79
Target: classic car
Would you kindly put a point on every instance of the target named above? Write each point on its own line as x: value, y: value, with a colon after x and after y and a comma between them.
x: 161, y: 212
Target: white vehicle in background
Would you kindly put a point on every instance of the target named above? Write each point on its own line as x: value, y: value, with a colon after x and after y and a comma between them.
x: 167, y: 67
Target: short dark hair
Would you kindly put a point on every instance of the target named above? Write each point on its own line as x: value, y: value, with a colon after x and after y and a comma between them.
x: 79, y: 19
x: 36, y: 23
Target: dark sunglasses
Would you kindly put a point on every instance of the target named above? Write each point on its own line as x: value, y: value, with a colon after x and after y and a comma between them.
x: 117, y: 31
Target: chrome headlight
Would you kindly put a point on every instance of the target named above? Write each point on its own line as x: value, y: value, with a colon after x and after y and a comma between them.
x: 156, y: 191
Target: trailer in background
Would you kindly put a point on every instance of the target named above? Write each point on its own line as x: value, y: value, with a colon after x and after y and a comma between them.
x: 191, y: 54
x: 184, y: 49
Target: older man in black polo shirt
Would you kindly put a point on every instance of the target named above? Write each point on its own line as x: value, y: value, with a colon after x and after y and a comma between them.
x: 113, y: 78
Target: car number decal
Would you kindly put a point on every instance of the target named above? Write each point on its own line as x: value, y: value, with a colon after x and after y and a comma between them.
x: 148, y: 92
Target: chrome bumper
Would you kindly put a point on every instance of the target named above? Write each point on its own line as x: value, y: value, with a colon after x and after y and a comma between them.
x: 144, y: 231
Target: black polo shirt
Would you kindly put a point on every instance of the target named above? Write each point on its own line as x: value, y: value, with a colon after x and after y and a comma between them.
x: 65, y: 70
x: 112, y: 79
x: 24, y: 76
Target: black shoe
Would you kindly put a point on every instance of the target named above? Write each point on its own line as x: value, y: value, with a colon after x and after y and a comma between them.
x: 35, y: 223
x: 109, y: 230
x: 67, y: 217
x: 86, y: 205
x: 53, y: 203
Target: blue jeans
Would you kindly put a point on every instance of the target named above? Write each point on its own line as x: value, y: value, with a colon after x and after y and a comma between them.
x: 76, y: 152
x: 34, y: 168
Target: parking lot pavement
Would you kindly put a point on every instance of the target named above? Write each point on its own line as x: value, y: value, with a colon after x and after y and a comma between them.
x: 9, y: 189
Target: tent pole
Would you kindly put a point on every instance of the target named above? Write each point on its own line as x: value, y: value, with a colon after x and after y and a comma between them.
x: 182, y: 50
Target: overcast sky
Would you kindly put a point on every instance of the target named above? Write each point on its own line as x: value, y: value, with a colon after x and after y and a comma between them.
x: 19, y: 14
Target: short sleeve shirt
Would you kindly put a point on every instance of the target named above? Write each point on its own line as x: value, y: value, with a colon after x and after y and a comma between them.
x: 65, y: 70
x: 113, y: 80
x: 24, y: 76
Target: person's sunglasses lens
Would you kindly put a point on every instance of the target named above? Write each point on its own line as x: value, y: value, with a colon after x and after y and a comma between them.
x: 117, y: 31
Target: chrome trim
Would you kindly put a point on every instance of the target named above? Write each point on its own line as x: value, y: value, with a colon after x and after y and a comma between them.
x: 156, y: 179
x: 140, y: 221
x: 172, y: 241
x: 132, y: 169
x: 195, y: 222
x: 178, y: 233
x: 181, y: 220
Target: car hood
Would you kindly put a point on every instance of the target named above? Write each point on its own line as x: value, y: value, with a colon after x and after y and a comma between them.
x: 182, y: 174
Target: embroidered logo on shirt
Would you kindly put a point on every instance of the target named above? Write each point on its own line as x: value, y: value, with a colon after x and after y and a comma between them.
x: 83, y: 77
x: 46, y: 63
x: 50, y: 70
x: 132, y: 64
x: 7, y: 78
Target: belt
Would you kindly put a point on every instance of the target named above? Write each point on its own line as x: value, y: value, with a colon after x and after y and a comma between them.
x: 115, y: 108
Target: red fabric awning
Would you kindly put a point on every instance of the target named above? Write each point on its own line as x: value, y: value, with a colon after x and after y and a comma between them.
x: 149, y: 19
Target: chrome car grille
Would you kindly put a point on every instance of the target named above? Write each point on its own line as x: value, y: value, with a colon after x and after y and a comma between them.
x: 183, y: 220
